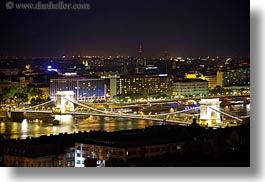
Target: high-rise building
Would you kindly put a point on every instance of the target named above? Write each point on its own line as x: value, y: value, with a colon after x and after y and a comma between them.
x: 142, y: 84
x: 239, y: 77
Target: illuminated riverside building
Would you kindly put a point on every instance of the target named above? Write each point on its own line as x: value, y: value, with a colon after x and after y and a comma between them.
x: 211, y: 79
x: 142, y: 84
x: 240, y: 77
x: 84, y: 89
x: 190, y: 87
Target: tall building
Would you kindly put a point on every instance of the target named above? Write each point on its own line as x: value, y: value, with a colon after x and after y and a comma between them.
x: 142, y: 84
x: 84, y: 89
x: 239, y: 77
x: 111, y: 81
x: 140, y: 62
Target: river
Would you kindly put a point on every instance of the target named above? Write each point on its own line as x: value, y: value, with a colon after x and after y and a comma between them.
x: 35, y: 128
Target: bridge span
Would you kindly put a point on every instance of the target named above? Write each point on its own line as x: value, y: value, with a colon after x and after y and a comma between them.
x: 209, y: 111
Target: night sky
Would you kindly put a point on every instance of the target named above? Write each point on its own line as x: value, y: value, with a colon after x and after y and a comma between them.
x: 183, y: 28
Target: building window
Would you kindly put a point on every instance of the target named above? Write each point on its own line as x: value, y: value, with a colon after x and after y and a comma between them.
x: 72, y: 154
x: 78, y: 162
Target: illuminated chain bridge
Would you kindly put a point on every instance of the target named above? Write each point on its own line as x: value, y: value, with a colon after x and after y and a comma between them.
x: 65, y: 104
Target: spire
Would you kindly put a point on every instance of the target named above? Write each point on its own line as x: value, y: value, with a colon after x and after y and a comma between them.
x: 140, y: 50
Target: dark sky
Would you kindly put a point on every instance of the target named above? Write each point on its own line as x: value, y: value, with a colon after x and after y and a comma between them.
x: 183, y: 28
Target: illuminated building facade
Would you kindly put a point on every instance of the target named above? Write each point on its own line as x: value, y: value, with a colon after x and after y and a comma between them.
x: 102, y: 153
x: 190, y: 88
x: 84, y: 89
x: 162, y: 146
x: 240, y: 77
x: 211, y: 79
x: 143, y: 84
x: 125, y: 146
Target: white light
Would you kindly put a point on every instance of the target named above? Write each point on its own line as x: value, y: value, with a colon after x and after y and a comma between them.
x: 24, y: 125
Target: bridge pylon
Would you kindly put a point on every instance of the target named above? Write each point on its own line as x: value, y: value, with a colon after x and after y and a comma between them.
x: 209, y: 111
x: 62, y: 101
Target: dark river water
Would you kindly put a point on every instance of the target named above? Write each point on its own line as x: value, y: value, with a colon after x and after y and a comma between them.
x: 35, y: 128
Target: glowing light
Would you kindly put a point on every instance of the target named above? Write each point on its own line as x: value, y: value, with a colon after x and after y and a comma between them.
x: 64, y: 119
x: 24, y: 125
x: 70, y: 74
x: 49, y: 68
x: 55, y: 70
x: 209, y: 110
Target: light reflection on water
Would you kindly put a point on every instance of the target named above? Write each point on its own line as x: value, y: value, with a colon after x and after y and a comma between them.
x: 27, y: 128
x: 22, y: 129
x: 240, y: 110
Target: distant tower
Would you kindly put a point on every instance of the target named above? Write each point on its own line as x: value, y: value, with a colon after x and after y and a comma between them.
x: 166, y: 57
x: 140, y: 51
x: 139, y: 61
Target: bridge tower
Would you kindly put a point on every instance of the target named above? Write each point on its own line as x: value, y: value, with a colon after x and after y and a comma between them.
x: 62, y: 102
x: 209, y: 111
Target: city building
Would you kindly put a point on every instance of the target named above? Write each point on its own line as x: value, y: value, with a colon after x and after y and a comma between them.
x: 126, y: 147
x: 165, y: 145
x: 239, y: 77
x: 190, y: 88
x: 111, y: 78
x: 210, y: 78
x: 41, y: 152
x: 84, y: 89
x: 142, y: 84
x: 70, y: 157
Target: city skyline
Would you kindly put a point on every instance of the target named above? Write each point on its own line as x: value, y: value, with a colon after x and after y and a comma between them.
x: 182, y: 28
x: 125, y: 84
